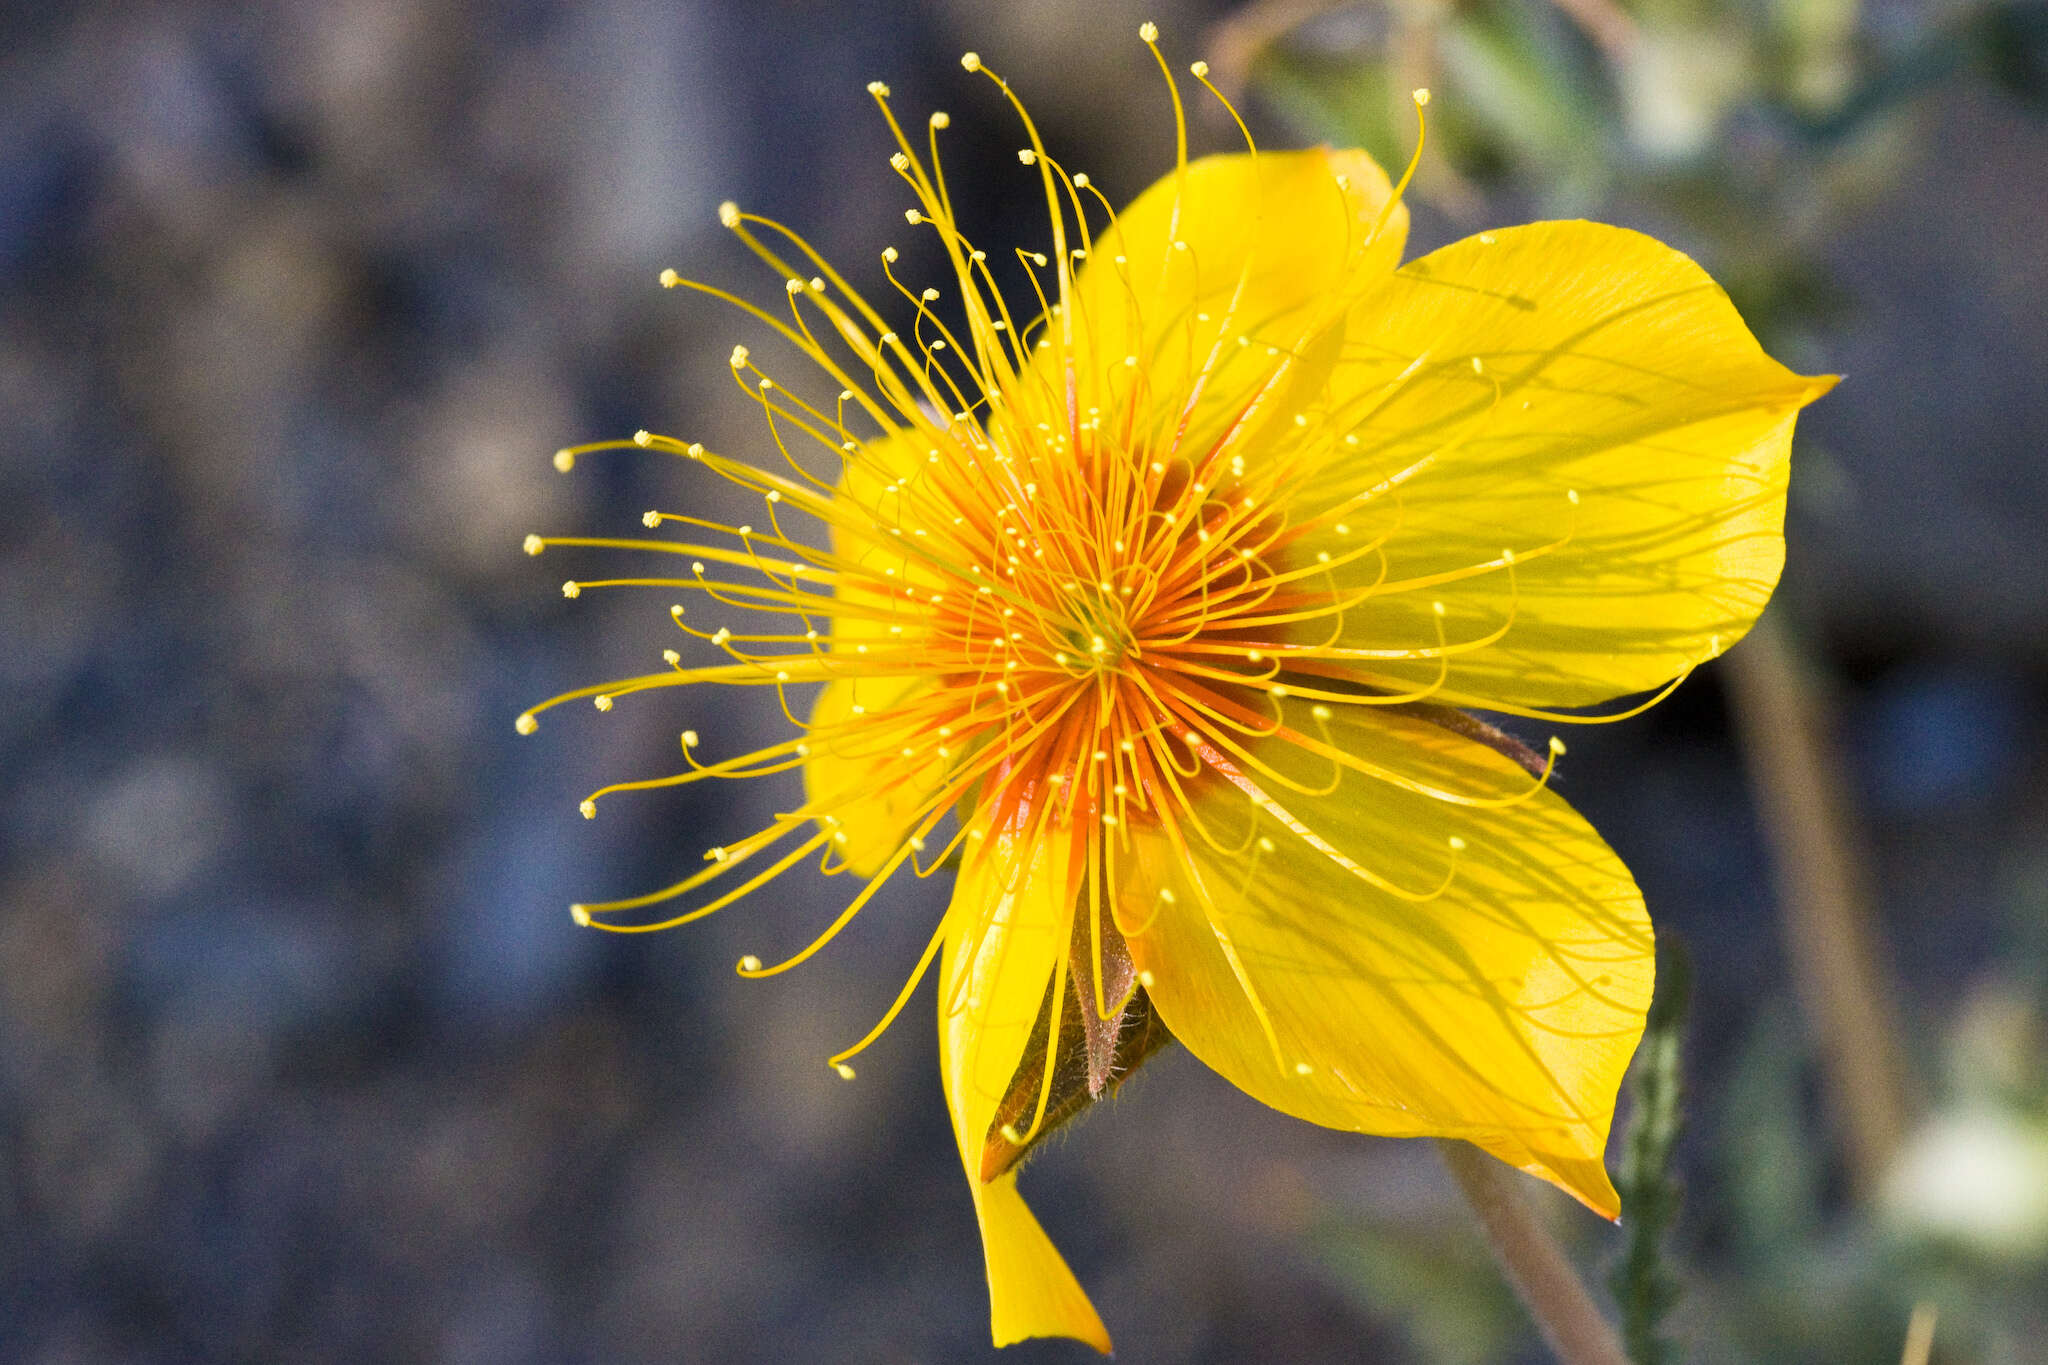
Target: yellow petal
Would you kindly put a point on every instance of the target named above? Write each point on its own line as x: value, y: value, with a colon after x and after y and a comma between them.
x: 1266, y: 247
x: 1031, y: 1291
x: 1607, y: 365
x: 877, y: 804
x: 1298, y: 949
x: 1006, y: 929
x: 879, y: 476
x: 876, y: 796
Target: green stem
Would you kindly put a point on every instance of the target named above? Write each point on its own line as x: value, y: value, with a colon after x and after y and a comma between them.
x: 1544, y: 1280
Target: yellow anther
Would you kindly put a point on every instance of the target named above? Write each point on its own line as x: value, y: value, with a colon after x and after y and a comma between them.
x: 941, y: 119
x: 565, y: 460
x: 729, y: 214
x: 1421, y: 96
x: 970, y: 61
x: 750, y: 963
x: 1027, y: 156
x: 533, y: 545
x: 877, y: 89
x: 1557, y: 746
x: 650, y: 519
x: 1199, y: 70
x: 845, y: 1071
x: 689, y: 739
x: 739, y: 358
x: 572, y: 589
x: 1148, y: 32
x: 581, y: 914
x: 589, y: 809
x: 602, y: 701
x: 526, y: 724
x: 669, y: 278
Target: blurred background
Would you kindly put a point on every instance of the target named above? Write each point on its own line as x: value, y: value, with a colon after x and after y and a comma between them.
x: 301, y: 1057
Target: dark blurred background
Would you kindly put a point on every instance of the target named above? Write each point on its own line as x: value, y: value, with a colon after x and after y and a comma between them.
x: 301, y: 1057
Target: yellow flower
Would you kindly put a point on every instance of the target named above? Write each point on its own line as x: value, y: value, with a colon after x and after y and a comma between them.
x: 1152, y: 602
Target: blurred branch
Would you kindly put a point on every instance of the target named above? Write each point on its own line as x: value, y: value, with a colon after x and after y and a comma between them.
x: 1236, y: 42
x: 1919, y: 1336
x: 1609, y: 26
x: 1843, y: 988
x: 1543, y: 1279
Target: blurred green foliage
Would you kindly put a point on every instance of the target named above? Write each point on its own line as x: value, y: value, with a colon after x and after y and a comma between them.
x: 1753, y: 123
x: 1645, y: 1286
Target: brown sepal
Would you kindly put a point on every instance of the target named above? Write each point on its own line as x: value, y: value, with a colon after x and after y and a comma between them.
x: 1093, y: 1054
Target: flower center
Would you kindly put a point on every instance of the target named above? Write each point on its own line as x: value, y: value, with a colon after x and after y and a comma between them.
x: 1097, y: 635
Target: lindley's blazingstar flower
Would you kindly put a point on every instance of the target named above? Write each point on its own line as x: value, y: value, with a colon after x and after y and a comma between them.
x: 1166, y: 590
